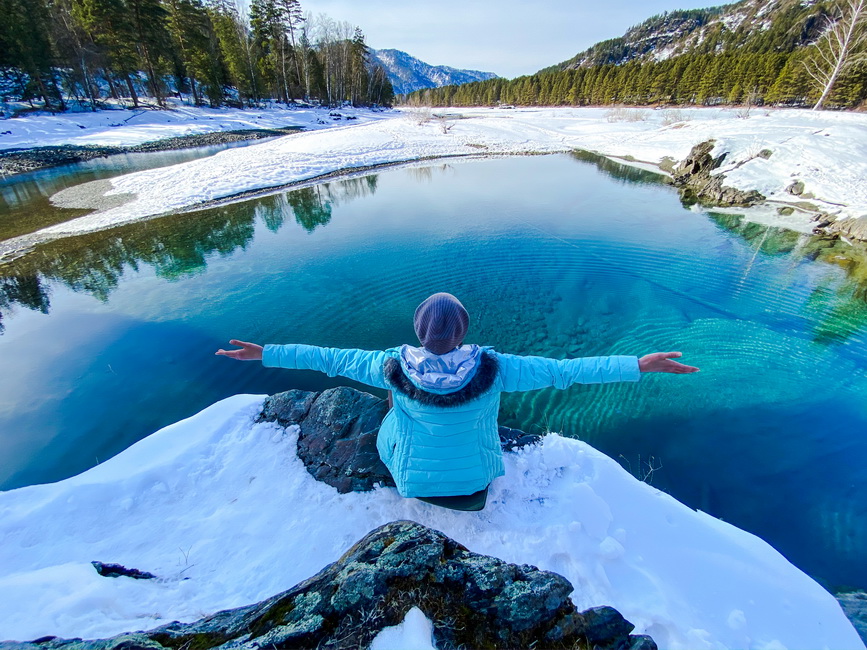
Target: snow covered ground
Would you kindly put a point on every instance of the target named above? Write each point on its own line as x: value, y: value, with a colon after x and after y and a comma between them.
x: 826, y: 151
x: 126, y: 128
x: 223, y: 511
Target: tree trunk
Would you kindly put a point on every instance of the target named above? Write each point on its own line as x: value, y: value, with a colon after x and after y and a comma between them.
x: 132, y: 93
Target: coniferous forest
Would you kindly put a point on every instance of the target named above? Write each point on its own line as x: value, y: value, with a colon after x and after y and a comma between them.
x: 704, y: 57
x: 690, y: 79
x: 57, y: 53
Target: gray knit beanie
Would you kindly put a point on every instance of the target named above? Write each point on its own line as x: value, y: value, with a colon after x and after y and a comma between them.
x: 441, y: 323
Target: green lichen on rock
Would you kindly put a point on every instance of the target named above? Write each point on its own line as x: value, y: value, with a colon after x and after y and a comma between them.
x: 475, y: 601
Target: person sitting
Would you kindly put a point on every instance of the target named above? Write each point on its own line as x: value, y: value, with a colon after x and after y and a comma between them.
x: 439, y: 439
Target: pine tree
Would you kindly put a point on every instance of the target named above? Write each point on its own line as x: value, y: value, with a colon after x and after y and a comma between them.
x: 236, y: 49
x: 107, y: 25
x: 198, y: 48
x: 149, y: 22
x: 293, y: 20
x: 25, y: 45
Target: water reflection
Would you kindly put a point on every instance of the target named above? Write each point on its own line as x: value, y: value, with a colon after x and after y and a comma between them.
x: 174, y: 247
x: 24, y: 198
x: 840, y: 310
x: 619, y: 171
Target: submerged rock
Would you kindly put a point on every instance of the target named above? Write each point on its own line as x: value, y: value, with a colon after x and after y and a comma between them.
x: 854, y: 605
x: 474, y: 601
x: 338, y: 430
x: 693, y: 177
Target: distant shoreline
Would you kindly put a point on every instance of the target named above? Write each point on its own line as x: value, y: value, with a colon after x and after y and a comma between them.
x: 22, y: 161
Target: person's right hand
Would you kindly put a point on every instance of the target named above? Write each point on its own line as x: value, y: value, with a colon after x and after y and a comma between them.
x: 248, y: 351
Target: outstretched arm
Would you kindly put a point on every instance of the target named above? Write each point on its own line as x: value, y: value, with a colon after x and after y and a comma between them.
x: 361, y: 365
x: 530, y: 373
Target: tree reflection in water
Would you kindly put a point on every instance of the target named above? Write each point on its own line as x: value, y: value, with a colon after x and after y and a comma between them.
x: 175, y: 247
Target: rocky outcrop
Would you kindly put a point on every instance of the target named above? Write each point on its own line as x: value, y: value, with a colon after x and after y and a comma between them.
x: 474, y: 601
x: 696, y: 183
x: 854, y: 605
x: 852, y: 228
x: 337, y: 437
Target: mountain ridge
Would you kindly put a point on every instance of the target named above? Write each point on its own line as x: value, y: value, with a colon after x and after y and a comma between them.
x: 407, y: 73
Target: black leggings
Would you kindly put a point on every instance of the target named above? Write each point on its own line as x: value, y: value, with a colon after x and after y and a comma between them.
x: 468, y: 502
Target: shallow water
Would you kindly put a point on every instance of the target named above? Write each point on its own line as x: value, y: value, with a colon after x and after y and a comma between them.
x: 24, y: 198
x: 111, y: 336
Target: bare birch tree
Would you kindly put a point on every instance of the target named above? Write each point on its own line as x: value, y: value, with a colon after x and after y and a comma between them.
x: 840, y: 46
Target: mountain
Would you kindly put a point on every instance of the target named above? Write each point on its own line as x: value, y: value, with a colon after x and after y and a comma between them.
x: 749, y: 26
x: 407, y: 73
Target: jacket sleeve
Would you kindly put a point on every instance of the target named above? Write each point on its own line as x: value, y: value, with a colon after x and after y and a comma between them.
x: 529, y: 373
x: 360, y: 365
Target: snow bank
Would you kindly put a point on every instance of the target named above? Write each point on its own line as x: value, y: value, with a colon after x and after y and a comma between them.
x: 827, y: 152
x: 222, y: 510
x: 127, y: 128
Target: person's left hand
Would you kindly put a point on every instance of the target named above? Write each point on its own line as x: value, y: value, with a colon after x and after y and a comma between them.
x: 662, y: 362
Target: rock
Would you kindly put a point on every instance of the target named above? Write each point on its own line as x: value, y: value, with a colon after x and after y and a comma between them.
x: 337, y: 439
x: 796, y: 188
x: 338, y: 430
x: 854, y: 605
x: 474, y: 601
x: 854, y: 228
x: 513, y: 439
x: 604, y: 627
x: 118, y: 571
x: 786, y: 210
x: 693, y: 177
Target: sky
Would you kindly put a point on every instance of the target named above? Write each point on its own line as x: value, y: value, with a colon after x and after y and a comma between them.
x: 507, y: 37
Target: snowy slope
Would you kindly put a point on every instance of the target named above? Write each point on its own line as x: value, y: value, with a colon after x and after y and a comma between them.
x: 223, y: 511
x: 407, y: 73
x: 132, y: 127
x: 826, y: 151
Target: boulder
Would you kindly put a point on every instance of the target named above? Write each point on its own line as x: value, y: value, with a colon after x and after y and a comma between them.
x: 337, y: 435
x: 696, y: 184
x: 854, y: 228
x: 474, y: 601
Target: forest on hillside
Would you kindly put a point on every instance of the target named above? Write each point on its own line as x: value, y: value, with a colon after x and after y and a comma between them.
x: 87, y: 52
x: 690, y: 79
x: 749, y: 53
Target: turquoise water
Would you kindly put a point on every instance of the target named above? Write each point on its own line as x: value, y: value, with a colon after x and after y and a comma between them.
x: 110, y: 336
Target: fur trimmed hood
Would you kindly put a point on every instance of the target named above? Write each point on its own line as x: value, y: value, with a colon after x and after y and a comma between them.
x: 484, y: 372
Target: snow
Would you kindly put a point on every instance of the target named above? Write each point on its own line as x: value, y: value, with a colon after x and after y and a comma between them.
x: 827, y: 151
x: 126, y: 128
x: 224, y: 513
x: 415, y: 633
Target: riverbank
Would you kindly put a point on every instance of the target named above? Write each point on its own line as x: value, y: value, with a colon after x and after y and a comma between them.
x: 19, y: 161
x: 812, y: 162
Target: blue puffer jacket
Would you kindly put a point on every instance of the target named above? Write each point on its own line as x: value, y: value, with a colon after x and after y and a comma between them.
x: 441, y: 439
